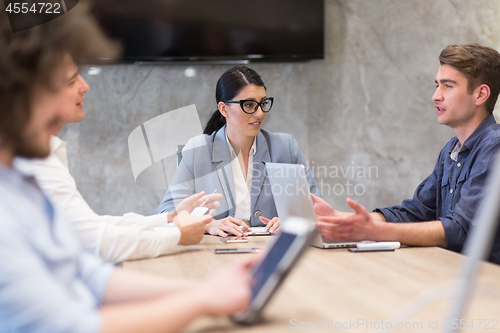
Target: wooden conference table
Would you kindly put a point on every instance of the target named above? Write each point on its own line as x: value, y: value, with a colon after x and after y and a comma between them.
x: 339, y: 291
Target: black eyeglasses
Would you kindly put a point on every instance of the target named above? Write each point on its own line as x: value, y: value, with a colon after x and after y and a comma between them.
x: 250, y: 106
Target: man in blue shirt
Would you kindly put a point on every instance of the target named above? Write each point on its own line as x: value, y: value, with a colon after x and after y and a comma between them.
x: 444, y: 204
x: 48, y: 281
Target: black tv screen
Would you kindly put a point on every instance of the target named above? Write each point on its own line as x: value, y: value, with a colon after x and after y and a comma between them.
x: 208, y: 30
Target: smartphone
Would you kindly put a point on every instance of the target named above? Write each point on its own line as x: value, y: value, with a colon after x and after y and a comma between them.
x: 258, y: 231
x: 376, y: 246
x: 200, y: 210
x: 233, y: 239
x: 240, y: 250
x: 355, y: 249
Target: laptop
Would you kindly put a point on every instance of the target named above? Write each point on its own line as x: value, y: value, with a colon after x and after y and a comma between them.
x: 292, y: 197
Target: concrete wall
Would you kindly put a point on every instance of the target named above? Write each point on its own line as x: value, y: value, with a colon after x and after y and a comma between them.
x: 363, y: 116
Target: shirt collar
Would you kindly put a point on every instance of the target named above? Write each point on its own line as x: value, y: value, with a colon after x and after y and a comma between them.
x: 58, y: 148
x: 253, y: 149
x: 471, y: 141
x: 14, y: 176
x: 457, y: 150
x: 56, y: 143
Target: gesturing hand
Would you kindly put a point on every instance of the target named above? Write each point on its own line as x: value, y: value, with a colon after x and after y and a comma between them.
x: 193, y: 201
x: 353, y: 227
x: 321, y: 207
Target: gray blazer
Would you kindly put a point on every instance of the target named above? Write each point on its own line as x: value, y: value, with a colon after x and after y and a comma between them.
x: 206, y: 166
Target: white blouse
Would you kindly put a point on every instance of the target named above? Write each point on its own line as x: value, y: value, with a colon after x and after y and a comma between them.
x: 242, y: 185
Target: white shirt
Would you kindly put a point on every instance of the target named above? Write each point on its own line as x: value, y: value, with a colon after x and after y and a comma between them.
x: 113, y: 238
x: 242, y: 185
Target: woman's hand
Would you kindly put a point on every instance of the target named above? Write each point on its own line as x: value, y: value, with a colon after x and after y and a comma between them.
x: 228, y: 225
x: 272, y: 225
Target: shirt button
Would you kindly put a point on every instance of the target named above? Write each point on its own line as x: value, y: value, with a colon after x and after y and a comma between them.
x: 451, y: 191
x: 257, y: 213
x: 459, y: 164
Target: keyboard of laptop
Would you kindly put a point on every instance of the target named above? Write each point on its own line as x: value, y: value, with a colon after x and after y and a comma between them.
x: 331, y: 241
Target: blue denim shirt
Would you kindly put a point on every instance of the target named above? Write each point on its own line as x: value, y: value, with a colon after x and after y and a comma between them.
x: 48, y: 281
x: 454, y: 190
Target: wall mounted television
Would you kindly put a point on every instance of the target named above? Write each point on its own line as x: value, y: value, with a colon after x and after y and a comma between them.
x: 214, y: 30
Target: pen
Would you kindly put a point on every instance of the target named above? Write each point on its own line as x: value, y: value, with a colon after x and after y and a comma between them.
x: 204, y: 202
x: 200, y: 210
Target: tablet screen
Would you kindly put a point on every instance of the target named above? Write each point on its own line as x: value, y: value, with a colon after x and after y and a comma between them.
x: 270, y: 262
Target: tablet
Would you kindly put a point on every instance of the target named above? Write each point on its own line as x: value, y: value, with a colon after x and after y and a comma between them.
x: 269, y: 273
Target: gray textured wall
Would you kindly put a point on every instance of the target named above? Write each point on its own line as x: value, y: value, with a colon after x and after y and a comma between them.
x: 365, y: 108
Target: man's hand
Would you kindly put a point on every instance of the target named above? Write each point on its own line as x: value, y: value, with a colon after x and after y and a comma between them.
x: 321, y: 207
x: 193, y: 201
x: 352, y: 227
x: 272, y: 225
x: 192, y: 227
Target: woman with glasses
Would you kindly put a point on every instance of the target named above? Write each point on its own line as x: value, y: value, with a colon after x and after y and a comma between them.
x: 229, y: 158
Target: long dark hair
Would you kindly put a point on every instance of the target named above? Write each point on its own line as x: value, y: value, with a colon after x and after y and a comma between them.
x: 228, y: 86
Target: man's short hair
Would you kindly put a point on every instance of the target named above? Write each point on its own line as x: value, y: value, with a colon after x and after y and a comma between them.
x: 30, y: 58
x: 479, y: 64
